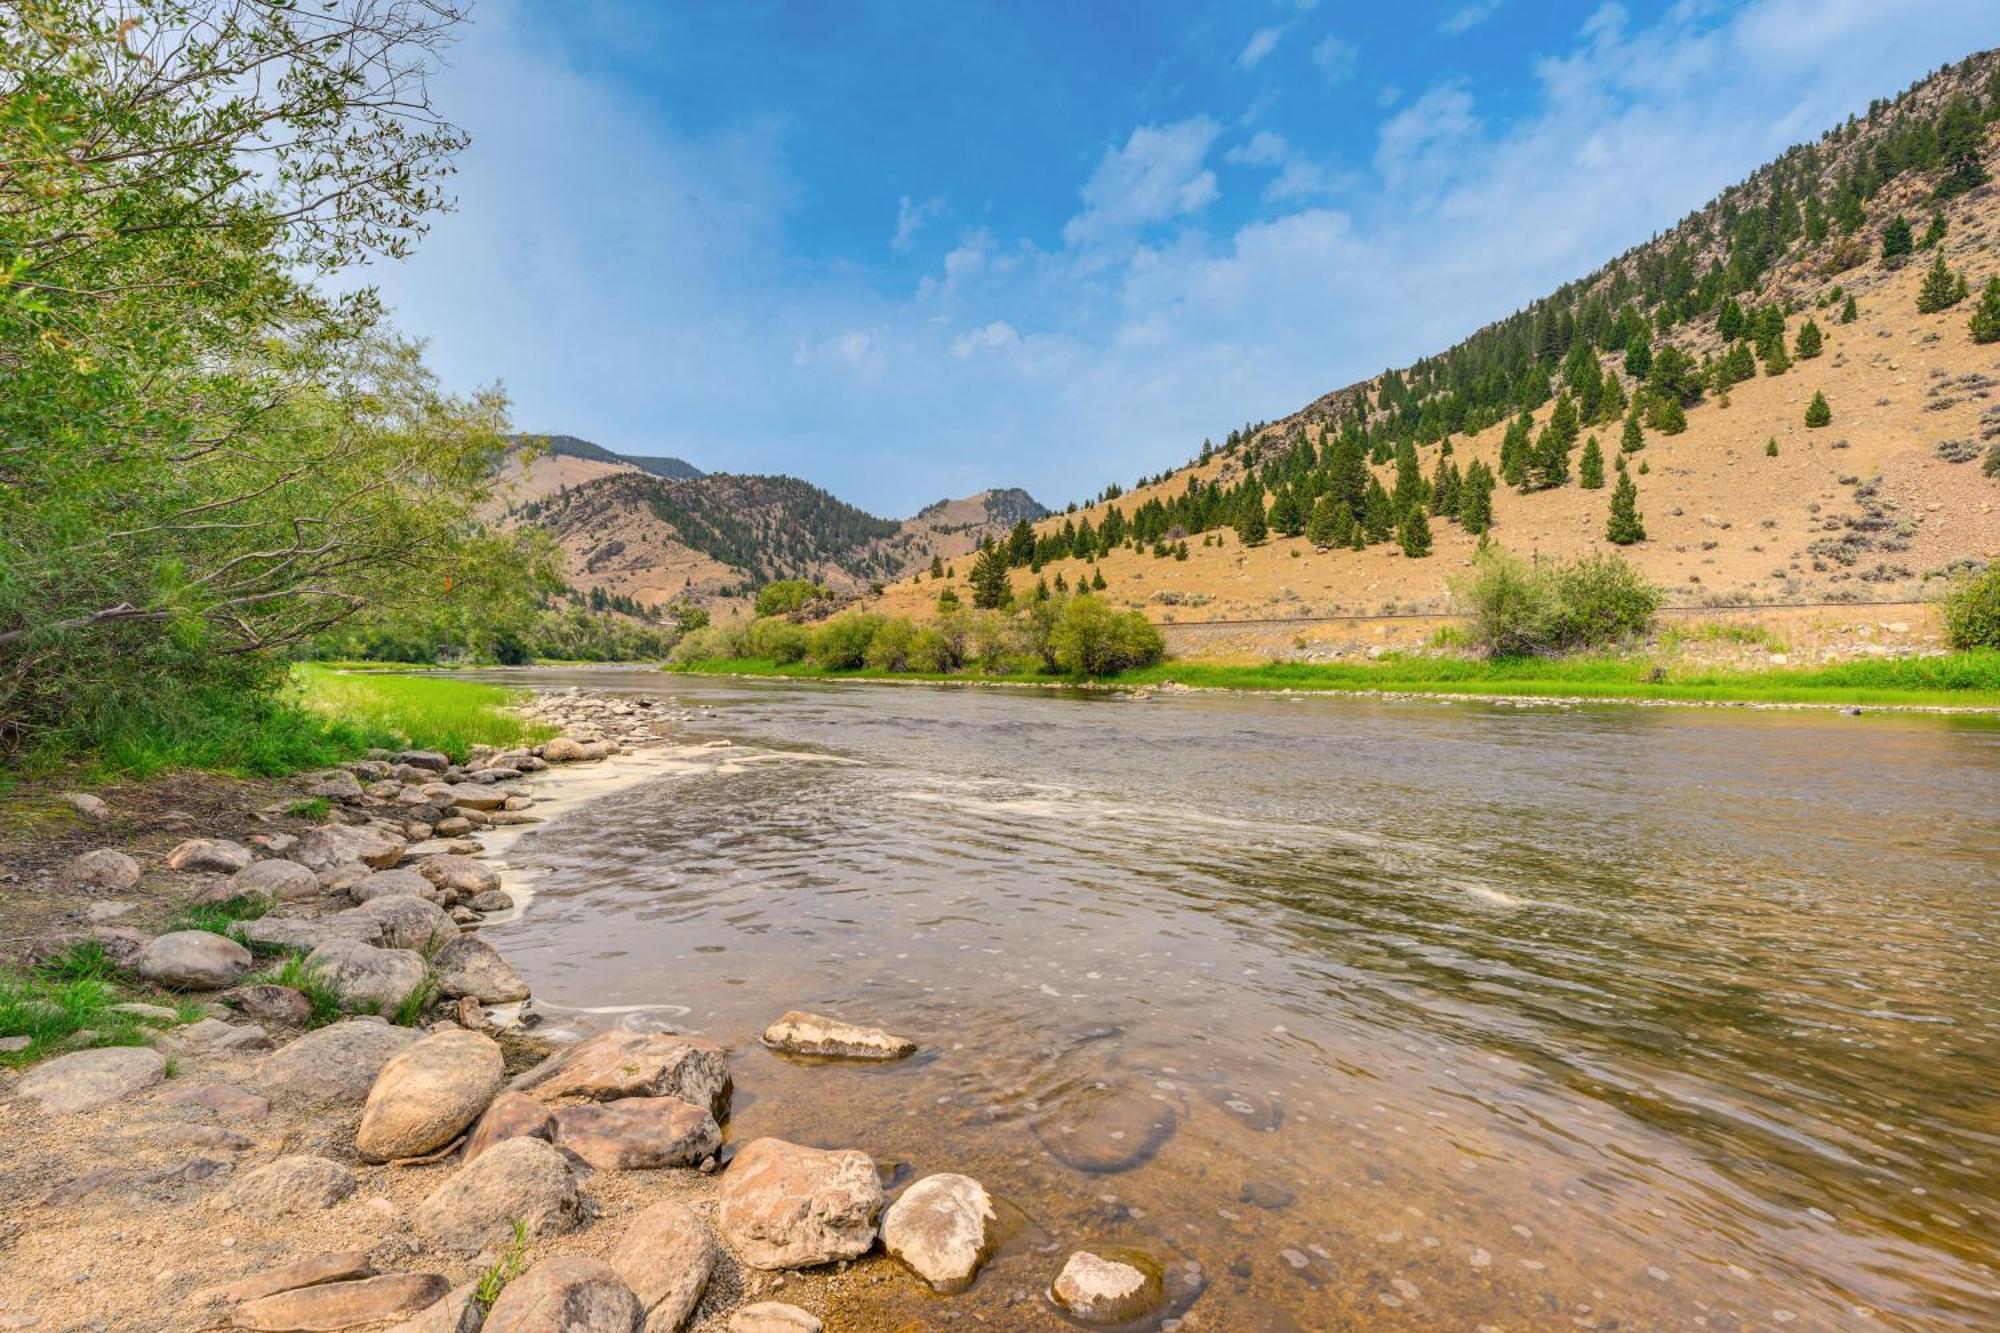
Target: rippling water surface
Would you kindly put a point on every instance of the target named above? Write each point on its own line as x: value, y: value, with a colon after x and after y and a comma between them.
x: 1386, y: 1015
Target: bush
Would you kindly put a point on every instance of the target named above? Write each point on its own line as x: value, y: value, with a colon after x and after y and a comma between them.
x: 892, y: 646
x: 1089, y: 638
x: 1972, y: 610
x: 778, y: 640
x: 841, y: 644
x: 710, y: 643
x: 787, y: 595
x: 1516, y: 609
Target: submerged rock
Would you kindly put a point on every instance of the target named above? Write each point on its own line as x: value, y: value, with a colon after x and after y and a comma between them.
x: 943, y: 1227
x: 801, y: 1033
x: 1094, y: 1289
x: 783, y: 1205
x: 1108, y: 1128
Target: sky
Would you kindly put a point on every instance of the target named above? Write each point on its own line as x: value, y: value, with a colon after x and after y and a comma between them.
x: 914, y: 250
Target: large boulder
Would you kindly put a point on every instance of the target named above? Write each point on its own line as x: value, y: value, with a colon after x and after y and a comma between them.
x: 337, y: 1063
x: 280, y: 881
x: 296, y: 1184
x: 219, y: 855
x: 783, y: 1205
x: 104, y: 868
x: 518, y: 1180
x: 339, y: 1266
x: 567, y: 1294
x: 513, y: 1115
x: 194, y: 960
x: 365, y: 975
x: 944, y: 1228
x: 268, y: 1003
x: 393, y: 884
x: 431, y: 761
x: 89, y: 1080
x: 564, y: 750
x: 471, y: 796
x: 331, y: 845
x: 638, y: 1133
x: 292, y: 933
x: 469, y: 965
x: 428, y: 1094
x: 461, y: 875
x: 336, y: 784
x: 611, y: 1065
x: 666, y: 1257
x: 801, y: 1033
x: 396, y: 922
x: 362, y: 1303
x: 1094, y: 1289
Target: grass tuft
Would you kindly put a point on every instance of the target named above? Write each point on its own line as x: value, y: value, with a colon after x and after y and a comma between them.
x: 321, y: 998
x: 220, y: 918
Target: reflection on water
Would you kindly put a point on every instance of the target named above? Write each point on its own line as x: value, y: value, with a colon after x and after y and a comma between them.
x: 1386, y: 1015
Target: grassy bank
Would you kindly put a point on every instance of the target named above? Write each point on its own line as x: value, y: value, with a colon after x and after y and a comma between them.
x: 316, y: 717
x: 1966, y: 680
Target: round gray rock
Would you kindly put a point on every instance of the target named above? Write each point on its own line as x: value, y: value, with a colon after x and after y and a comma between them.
x: 88, y: 1080
x: 470, y: 966
x: 943, y: 1227
x: 459, y: 874
x: 338, y: 1063
x: 365, y: 975
x: 522, y: 1180
x: 396, y: 922
x: 219, y: 855
x: 104, y: 868
x: 299, y: 1183
x: 283, y: 881
x: 392, y: 884
x: 193, y: 960
x: 784, y: 1205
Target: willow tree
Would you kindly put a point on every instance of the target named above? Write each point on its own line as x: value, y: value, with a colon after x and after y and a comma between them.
x: 205, y: 453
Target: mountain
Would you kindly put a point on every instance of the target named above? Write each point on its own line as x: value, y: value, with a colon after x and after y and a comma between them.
x: 660, y: 530
x: 1745, y: 503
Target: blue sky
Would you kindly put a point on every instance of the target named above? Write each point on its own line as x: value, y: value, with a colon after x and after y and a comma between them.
x: 913, y: 250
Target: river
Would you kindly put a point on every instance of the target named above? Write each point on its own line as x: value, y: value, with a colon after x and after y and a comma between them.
x: 1386, y: 1014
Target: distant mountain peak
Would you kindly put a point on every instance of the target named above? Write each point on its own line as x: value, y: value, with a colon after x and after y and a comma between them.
x: 570, y: 446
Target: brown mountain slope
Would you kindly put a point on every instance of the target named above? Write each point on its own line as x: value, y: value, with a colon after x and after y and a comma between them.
x: 1861, y: 510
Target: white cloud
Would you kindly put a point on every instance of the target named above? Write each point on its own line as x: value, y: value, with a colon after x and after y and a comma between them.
x: 1467, y: 17
x: 1262, y: 42
x: 1298, y: 176
x: 994, y: 337
x: 1412, y: 145
x: 1158, y: 174
x: 911, y: 217
x: 1336, y: 58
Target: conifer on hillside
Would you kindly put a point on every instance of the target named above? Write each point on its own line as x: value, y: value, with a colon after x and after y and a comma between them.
x: 1670, y: 418
x: 1250, y: 526
x: 1625, y: 525
x: 1633, y: 439
x: 1378, y: 513
x: 1941, y: 289
x: 937, y: 567
x: 1475, y: 499
x: 1551, y: 465
x: 1285, y: 516
x: 1097, y: 580
x: 1590, y: 470
x: 1771, y: 447
x: 990, y: 589
x: 1809, y: 344
x: 1414, y: 533
x: 1818, y: 413
x: 1848, y: 310
x: 1729, y: 320
x: 1319, y: 528
x: 1986, y: 315
x: 1775, y: 360
x: 1638, y: 356
x: 1934, y: 232
x: 1896, y: 238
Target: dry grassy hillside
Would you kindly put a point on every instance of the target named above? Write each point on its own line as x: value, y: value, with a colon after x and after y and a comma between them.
x: 1725, y: 522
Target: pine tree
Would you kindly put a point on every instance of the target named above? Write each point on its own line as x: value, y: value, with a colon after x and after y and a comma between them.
x: 1625, y: 525
x: 1775, y: 360
x: 1738, y: 365
x: 1515, y: 448
x: 1409, y: 490
x: 1672, y: 418
x: 1638, y: 356
x: 1848, y: 311
x: 1933, y: 233
x: 1634, y: 439
x: 1729, y: 320
x: 1940, y: 290
x: 1475, y: 499
x: 1414, y: 533
x: 1644, y: 467
x: 1097, y: 580
x: 1444, y: 488
x: 1771, y: 447
x: 1613, y: 405
x: 1896, y: 238
x: 1817, y: 411
x: 1986, y: 315
x: 1041, y: 592
x: 1286, y: 516
x: 1062, y: 584
x: 1378, y: 513
x: 1590, y: 471
x: 1346, y: 532
x: 937, y: 567
x: 1809, y: 341
x: 1021, y: 544
x: 990, y: 589
x: 1319, y: 528
x: 1618, y: 462
x: 1250, y: 526
x: 1551, y: 468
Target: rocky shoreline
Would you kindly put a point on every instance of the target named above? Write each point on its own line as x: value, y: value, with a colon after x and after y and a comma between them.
x: 425, y: 1163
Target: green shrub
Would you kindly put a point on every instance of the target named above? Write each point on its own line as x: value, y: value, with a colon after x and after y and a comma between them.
x: 779, y: 641
x: 1089, y: 638
x: 1972, y: 610
x: 892, y: 645
x: 841, y: 644
x: 710, y: 643
x: 1515, y: 609
x: 787, y: 595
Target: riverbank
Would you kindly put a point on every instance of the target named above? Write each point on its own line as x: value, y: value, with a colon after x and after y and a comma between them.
x: 259, y: 1069
x: 1957, y: 682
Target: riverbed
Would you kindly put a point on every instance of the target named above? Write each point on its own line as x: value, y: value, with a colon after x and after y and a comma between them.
x: 1385, y: 1014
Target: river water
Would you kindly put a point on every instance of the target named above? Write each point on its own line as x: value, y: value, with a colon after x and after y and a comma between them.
x: 1386, y: 1015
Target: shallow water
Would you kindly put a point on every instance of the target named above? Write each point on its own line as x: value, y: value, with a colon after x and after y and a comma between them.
x: 1385, y: 1014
